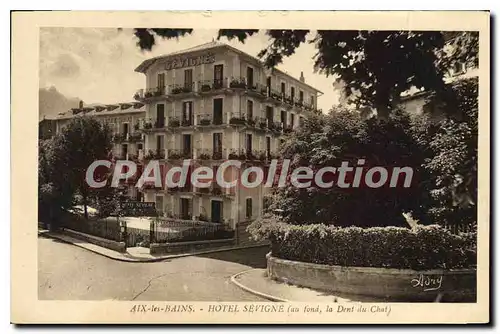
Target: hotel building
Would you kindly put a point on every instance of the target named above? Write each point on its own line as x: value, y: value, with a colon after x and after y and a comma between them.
x: 211, y: 103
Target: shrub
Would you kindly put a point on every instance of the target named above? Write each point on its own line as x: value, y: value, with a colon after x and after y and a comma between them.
x: 422, y: 248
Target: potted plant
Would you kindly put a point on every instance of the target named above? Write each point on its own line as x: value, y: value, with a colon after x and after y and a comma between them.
x: 235, y: 83
x: 176, y: 90
x: 205, y: 88
x: 186, y: 122
x: 205, y: 121
x: 237, y: 120
x: 204, y: 156
x: 174, y: 123
x: 217, y: 156
x: 233, y: 155
x: 251, y: 122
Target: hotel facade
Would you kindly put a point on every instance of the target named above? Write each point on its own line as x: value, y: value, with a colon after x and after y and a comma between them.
x: 209, y: 104
x: 214, y: 103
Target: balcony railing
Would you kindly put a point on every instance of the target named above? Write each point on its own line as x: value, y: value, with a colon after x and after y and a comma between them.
x: 174, y: 154
x: 176, y: 229
x: 154, y: 123
x: 207, y: 86
x: 237, y: 119
x: 210, y: 154
x: 210, y: 119
x: 185, y: 122
x: 155, y: 154
x: 185, y: 88
x: 135, y: 137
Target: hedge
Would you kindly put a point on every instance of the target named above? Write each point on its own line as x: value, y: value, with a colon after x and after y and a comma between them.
x: 420, y: 248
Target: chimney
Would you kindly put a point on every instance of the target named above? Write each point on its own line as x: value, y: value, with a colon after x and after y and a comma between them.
x: 80, y: 105
x: 302, y: 77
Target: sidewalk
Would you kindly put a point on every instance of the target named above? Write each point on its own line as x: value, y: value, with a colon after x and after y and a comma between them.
x: 256, y: 282
x: 133, y: 254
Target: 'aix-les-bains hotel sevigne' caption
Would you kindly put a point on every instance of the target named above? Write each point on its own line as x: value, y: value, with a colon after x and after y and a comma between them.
x: 209, y: 103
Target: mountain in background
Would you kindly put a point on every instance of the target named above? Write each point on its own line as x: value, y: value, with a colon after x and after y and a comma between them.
x: 51, y: 102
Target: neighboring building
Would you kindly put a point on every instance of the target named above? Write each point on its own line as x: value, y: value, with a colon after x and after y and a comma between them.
x: 211, y: 103
x: 46, y: 128
x: 124, y: 120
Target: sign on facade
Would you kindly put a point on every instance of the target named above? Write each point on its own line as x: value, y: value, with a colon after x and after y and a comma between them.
x: 190, y: 61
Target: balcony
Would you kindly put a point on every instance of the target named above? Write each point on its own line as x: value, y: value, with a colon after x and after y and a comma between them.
x: 212, y: 86
x: 157, y: 154
x: 135, y: 137
x: 150, y: 94
x: 179, y: 154
x: 154, y: 124
x: 182, y: 91
x: 237, y: 119
x: 209, y: 120
x: 187, y: 122
x: 209, y: 154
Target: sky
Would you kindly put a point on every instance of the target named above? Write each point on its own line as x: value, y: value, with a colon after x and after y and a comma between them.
x: 97, y: 65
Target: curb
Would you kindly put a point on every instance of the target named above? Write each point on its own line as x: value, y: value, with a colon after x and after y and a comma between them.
x: 255, y: 292
x: 148, y: 260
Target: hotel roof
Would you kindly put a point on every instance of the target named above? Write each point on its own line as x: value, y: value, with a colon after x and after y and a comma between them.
x: 97, y: 109
x: 142, y: 68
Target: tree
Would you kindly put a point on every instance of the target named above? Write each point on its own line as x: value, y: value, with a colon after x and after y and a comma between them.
x: 453, y: 163
x: 54, y: 193
x: 329, y: 140
x: 70, y: 153
x: 375, y: 67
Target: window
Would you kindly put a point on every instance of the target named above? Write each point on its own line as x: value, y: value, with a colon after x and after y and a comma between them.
x: 248, y: 142
x: 250, y: 77
x: 283, y: 88
x: 124, y: 151
x: 292, y: 120
x: 139, y: 146
x: 125, y: 128
x: 160, y: 116
x: 188, y: 79
x: 269, y: 114
x: 187, y: 113
x: 217, y: 145
x: 283, y: 118
x: 161, y: 81
x: 292, y: 93
x: 160, y: 143
x: 312, y: 101
x: 249, y: 208
x: 218, y: 76
x: 249, y: 109
x: 217, y: 111
x: 301, y: 96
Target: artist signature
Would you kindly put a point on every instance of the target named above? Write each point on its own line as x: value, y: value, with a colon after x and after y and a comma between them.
x: 429, y: 283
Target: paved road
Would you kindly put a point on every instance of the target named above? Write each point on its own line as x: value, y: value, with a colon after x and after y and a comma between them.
x: 67, y: 272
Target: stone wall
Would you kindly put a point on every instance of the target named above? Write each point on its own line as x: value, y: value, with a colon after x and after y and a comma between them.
x: 388, y: 284
x: 110, y: 244
x: 189, y: 246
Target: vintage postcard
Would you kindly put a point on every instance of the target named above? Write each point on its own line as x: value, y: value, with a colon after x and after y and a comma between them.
x: 250, y: 167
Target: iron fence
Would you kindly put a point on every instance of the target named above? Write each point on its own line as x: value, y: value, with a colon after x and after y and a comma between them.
x: 178, y: 230
x: 107, y: 228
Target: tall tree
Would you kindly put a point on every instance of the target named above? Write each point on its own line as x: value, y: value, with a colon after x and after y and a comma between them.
x: 375, y: 67
x: 329, y: 140
x: 81, y: 142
